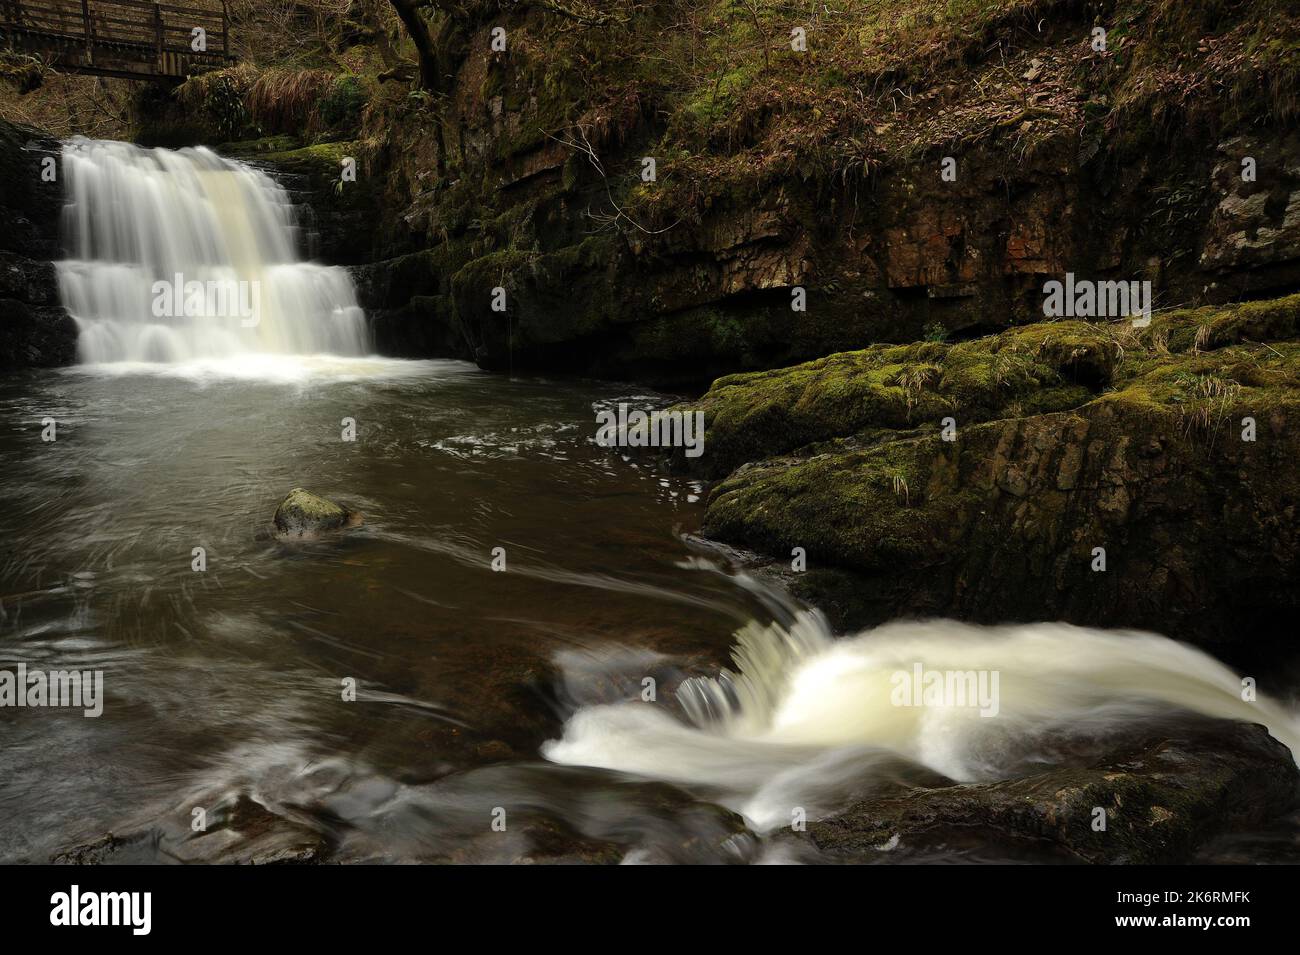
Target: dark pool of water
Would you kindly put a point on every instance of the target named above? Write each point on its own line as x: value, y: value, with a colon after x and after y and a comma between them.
x: 224, y: 688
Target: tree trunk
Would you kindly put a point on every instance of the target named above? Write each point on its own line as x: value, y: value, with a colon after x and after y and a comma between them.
x: 409, y: 13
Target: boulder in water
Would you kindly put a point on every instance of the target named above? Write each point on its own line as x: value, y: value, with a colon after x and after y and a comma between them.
x: 304, y: 514
x: 1166, y: 793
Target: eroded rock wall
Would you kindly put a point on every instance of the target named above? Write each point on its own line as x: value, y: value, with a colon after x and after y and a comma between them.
x: 519, y: 175
x: 35, y: 330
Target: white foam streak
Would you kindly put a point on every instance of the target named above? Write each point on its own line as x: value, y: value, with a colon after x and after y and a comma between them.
x: 804, y: 714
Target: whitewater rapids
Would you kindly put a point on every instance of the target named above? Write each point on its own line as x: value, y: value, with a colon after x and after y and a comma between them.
x: 806, y: 719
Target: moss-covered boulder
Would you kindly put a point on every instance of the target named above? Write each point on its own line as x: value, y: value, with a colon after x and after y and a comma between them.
x: 898, y: 388
x: 1100, y: 474
x: 304, y: 514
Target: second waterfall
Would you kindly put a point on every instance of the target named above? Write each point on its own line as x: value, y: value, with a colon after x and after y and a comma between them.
x: 181, y: 255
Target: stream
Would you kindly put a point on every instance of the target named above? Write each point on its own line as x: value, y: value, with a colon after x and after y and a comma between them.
x: 520, y: 653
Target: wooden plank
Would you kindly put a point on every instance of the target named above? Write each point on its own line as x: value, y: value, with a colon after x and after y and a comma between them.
x: 94, y: 36
x: 129, y: 4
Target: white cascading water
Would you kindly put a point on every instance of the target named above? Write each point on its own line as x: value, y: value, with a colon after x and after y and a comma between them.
x: 807, y: 718
x: 138, y: 216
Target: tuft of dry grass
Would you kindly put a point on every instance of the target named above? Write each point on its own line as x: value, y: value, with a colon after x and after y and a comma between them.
x: 1204, y: 332
x: 288, y: 100
x: 915, y: 380
x: 1214, y: 396
x: 901, y: 490
x: 200, y: 89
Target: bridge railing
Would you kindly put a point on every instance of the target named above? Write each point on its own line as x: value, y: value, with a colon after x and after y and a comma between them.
x: 140, y: 24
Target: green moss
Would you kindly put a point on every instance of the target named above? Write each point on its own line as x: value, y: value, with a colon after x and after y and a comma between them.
x: 304, y: 514
x: 718, y: 97
x: 482, y: 274
x: 865, y: 508
x: 320, y: 155
x: 591, y: 253
x: 1033, y: 369
x: 1213, y: 327
x: 1060, y: 425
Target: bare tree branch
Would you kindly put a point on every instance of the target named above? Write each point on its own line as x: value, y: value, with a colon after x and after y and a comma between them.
x: 604, y: 219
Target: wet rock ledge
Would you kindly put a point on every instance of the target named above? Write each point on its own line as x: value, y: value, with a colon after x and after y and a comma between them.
x: 35, y: 330
x: 1161, y: 798
x: 1098, y: 474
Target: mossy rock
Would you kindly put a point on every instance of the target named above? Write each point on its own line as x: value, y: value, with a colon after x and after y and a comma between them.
x: 1033, y: 369
x: 303, y: 514
x: 1176, y: 458
x: 1185, y: 362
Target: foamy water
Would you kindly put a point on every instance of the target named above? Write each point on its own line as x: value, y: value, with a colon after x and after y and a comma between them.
x: 805, y: 716
x: 281, y: 369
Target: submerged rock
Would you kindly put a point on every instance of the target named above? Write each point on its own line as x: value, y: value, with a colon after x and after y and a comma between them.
x: 304, y: 514
x: 241, y: 833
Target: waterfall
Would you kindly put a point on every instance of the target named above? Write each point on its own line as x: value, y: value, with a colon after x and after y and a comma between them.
x: 182, y: 255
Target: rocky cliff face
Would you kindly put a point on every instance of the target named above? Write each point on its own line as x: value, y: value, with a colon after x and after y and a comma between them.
x: 916, y: 169
x: 914, y: 173
x: 35, y: 330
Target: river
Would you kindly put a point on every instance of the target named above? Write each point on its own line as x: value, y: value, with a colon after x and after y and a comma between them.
x: 518, y: 656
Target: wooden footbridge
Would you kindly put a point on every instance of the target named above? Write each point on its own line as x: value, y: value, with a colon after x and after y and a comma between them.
x: 136, y: 39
